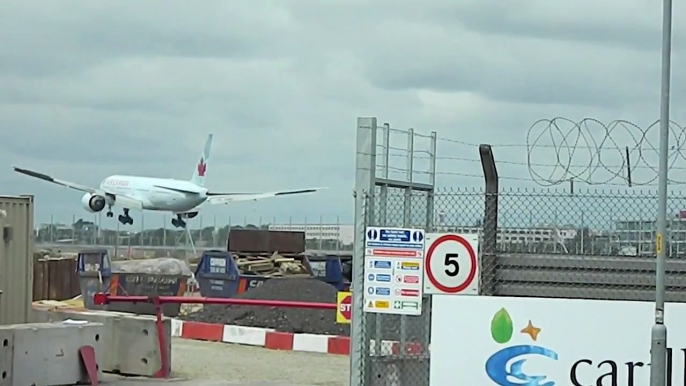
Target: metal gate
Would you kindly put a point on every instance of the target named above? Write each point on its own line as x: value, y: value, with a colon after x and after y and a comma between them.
x: 389, y: 348
x: 541, y: 243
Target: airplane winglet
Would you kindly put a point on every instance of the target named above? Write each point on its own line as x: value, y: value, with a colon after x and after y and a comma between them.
x: 31, y: 173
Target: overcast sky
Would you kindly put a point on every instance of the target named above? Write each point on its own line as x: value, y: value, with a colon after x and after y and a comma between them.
x: 89, y: 89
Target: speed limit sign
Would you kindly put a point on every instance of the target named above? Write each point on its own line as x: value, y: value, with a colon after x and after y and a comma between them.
x: 451, y: 264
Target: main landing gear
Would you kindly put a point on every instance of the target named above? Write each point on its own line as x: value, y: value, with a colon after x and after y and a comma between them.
x: 109, y: 211
x: 178, y: 222
x: 125, y: 218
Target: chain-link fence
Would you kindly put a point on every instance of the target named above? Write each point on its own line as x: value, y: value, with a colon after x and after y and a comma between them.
x: 543, y: 243
x: 321, y: 233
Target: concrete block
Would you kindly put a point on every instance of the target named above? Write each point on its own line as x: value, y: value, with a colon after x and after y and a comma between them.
x: 6, y: 357
x: 138, y: 344
x: 131, y: 340
x: 108, y: 359
x: 48, y: 353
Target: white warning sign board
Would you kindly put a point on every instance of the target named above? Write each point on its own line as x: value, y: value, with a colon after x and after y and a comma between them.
x: 451, y: 264
x: 393, y: 270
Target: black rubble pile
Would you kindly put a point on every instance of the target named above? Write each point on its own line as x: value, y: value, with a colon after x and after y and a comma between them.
x: 295, y: 320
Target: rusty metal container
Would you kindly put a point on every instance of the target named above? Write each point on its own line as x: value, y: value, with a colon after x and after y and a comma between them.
x: 40, y: 279
x: 55, y: 278
x: 264, y: 241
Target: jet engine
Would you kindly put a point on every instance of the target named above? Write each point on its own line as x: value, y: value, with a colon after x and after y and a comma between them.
x: 93, y: 203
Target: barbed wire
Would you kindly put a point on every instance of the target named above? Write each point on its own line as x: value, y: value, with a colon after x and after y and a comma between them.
x: 575, y: 151
x: 625, y: 142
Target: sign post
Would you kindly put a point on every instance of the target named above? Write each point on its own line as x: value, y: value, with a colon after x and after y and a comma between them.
x: 451, y: 264
x: 393, y: 270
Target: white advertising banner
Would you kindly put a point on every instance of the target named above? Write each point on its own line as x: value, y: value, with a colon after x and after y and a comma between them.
x: 506, y: 341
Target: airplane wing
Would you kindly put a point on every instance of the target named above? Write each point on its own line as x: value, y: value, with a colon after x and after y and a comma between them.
x: 123, y: 200
x: 227, y: 198
x: 184, y: 191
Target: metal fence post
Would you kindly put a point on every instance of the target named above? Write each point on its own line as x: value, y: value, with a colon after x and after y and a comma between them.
x: 383, y: 214
x: 490, y: 222
x: 365, y: 164
x: 658, y: 359
x: 429, y: 227
x: 407, y: 214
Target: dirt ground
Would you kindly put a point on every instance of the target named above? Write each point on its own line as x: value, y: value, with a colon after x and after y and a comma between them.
x: 196, y: 363
x: 211, y: 361
x: 295, y: 320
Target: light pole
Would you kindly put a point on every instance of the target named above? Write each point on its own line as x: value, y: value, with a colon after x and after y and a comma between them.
x: 658, y: 346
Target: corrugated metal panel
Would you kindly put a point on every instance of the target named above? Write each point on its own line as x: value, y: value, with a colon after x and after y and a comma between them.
x: 16, y: 260
x: 586, y: 277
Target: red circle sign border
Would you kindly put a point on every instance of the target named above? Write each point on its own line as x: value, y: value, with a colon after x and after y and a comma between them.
x: 472, y: 258
x: 349, y: 299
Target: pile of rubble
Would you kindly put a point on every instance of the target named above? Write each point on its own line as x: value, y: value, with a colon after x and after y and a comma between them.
x: 296, y: 320
x: 275, y: 265
x: 158, y: 266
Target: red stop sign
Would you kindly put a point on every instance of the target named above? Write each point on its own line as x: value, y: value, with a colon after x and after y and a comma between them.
x: 346, y: 307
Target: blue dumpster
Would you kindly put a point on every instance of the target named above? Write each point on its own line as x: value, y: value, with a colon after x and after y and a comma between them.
x: 328, y: 268
x: 218, y: 276
x: 94, y: 269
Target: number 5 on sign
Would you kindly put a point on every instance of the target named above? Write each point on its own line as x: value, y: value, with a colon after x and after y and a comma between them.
x: 451, y: 264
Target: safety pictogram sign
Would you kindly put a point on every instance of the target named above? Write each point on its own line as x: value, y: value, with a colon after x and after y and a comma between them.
x: 344, y: 301
x: 451, y: 264
x: 393, y: 270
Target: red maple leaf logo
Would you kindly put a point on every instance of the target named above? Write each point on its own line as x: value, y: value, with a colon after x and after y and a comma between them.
x: 202, y: 166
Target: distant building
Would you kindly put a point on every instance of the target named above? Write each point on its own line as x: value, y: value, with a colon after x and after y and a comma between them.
x: 342, y: 233
x: 56, y: 226
x: 638, y: 236
x: 525, y: 235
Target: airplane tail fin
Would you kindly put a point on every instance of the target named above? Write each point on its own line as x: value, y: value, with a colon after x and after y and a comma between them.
x: 200, y: 169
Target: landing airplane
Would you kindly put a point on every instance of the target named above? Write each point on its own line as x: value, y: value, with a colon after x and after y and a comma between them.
x: 182, y: 198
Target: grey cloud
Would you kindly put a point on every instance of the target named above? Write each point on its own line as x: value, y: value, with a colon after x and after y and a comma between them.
x: 474, y: 46
x: 510, y: 68
x: 37, y: 36
x: 97, y: 88
x: 632, y: 25
x: 516, y: 71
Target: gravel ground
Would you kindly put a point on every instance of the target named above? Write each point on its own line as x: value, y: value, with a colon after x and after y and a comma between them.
x: 246, y: 365
x: 296, y: 320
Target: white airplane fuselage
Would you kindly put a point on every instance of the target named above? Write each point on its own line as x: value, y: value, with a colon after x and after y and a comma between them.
x: 182, y: 198
x: 148, y: 190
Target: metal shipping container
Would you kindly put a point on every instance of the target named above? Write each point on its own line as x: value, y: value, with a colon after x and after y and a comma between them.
x: 16, y: 258
x: 264, y: 241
